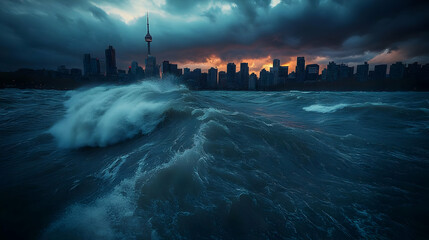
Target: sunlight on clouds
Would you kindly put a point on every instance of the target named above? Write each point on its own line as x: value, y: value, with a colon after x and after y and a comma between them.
x: 388, y: 56
x: 133, y: 10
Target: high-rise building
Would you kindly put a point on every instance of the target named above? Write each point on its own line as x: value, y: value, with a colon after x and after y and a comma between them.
x: 231, y: 71
x: 223, y: 78
x: 91, y: 66
x: 345, y: 72
x: 102, y: 67
x: 135, y: 72
x: 362, y: 72
x: 95, y: 67
x: 212, y: 78
x: 111, y: 61
x: 332, y: 72
x: 252, y: 81
x: 300, y: 69
x: 397, y: 71
x: 380, y: 72
x: 165, y: 68
x: 282, y: 75
x: 276, y: 63
x: 412, y: 72
x: 312, y: 72
x: 324, y: 74
x: 86, y: 64
x: 244, y: 76
x: 134, y: 66
x: 275, y: 72
x: 265, y: 79
x: 170, y: 69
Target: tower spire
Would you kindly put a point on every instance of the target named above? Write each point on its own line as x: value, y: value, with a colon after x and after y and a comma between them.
x: 147, y: 21
x: 148, y: 37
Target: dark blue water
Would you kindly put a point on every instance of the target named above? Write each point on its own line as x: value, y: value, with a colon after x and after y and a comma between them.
x: 157, y: 161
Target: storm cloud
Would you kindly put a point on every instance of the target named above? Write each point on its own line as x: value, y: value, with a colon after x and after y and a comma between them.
x: 48, y: 33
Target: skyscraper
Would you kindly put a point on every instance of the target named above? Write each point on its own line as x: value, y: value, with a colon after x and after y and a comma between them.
x: 212, y: 78
x: 362, y: 72
x: 222, y: 80
x: 244, y: 76
x: 91, y: 66
x: 300, y: 69
x: 283, y: 75
x: 165, y: 68
x: 275, y: 71
x: 230, y: 71
x: 252, y: 81
x: 397, y: 71
x: 86, y: 64
x: 95, y: 67
x: 152, y: 70
x: 312, y: 72
x: 111, y: 61
x: 345, y: 72
x: 276, y: 63
x: 332, y: 72
x: 380, y: 72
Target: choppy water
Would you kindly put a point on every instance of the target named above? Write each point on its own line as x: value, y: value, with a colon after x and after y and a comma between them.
x: 157, y: 161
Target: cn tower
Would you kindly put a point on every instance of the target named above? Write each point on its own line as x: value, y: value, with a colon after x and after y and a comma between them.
x: 148, y: 37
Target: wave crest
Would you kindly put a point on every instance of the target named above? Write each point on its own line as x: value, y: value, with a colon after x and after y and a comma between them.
x: 105, y: 115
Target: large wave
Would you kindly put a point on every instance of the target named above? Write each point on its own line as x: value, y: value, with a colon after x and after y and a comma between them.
x: 105, y: 115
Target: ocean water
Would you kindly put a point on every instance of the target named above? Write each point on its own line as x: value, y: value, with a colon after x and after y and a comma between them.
x: 154, y: 160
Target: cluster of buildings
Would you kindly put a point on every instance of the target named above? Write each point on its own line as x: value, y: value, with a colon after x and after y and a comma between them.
x: 277, y: 78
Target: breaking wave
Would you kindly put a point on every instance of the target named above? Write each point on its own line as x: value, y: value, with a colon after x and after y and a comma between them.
x: 105, y: 115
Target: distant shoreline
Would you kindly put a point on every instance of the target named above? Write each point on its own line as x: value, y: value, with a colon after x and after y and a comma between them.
x: 51, y: 80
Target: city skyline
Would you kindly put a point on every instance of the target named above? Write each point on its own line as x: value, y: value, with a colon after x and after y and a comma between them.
x: 209, y: 34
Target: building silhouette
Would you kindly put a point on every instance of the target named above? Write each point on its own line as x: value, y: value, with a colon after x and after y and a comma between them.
x: 212, y: 78
x: 312, y: 72
x: 397, y: 71
x: 345, y: 72
x: 244, y: 76
x: 91, y: 66
x: 223, y: 78
x: 135, y: 72
x: 380, y: 72
x: 169, y: 69
x: 111, y: 69
x: 300, y: 69
x: 86, y: 64
x: 231, y: 72
x: 151, y: 70
x: 332, y: 72
x: 253, y: 79
x: 362, y: 72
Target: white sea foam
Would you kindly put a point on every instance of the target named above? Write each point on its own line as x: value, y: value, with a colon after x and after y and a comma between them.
x: 105, y: 115
x: 325, y: 109
x: 112, y: 169
x: 333, y: 108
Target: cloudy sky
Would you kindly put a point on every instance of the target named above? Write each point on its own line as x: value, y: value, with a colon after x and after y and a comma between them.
x: 205, y: 33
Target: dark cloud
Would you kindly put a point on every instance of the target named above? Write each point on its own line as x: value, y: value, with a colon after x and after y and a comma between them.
x: 47, y: 33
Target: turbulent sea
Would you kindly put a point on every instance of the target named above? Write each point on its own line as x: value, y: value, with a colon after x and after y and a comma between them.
x: 154, y: 160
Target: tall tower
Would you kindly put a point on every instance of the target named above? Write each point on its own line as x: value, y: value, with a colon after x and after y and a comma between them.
x: 148, y: 37
x: 152, y: 70
x: 111, y: 61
